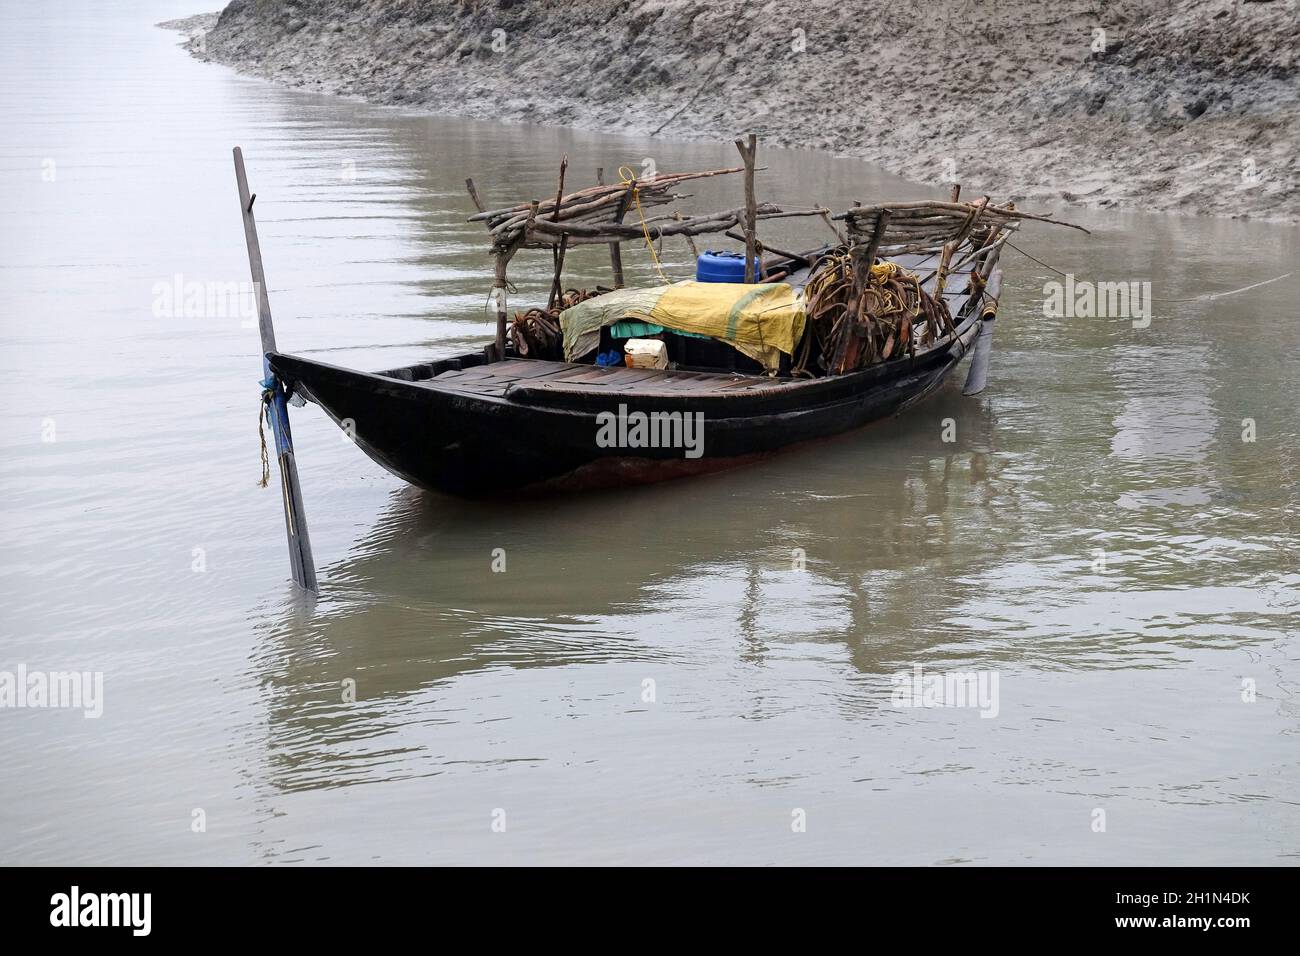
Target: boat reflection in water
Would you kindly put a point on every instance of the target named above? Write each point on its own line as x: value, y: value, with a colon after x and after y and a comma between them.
x: 737, y: 565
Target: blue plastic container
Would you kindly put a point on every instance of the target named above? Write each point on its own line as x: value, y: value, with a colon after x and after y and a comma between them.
x: 723, y: 267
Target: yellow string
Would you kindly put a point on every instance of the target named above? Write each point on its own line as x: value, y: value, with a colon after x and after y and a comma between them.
x: 884, y: 271
x: 627, y: 178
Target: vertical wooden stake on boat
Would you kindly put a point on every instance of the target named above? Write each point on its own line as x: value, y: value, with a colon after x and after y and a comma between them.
x: 748, y: 151
x: 560, y: 247
x: 945, y: 255
x: 992, y: 256
x: 556, y: 282
x: 854, y: 332
x: 950, y: 248
x: 616, y: 248
x: 869, y: 259
x: 295, y: 518
x: 501, y: 257
x: 615, y: 256
x: 499, y: 292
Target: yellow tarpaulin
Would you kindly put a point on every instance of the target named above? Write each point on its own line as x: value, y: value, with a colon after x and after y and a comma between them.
x: 761, y: 321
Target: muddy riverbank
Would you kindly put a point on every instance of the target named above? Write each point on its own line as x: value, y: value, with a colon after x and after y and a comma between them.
x: 1185, y: 107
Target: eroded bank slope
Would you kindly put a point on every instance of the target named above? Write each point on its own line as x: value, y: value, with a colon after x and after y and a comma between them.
x: 1188, y: 106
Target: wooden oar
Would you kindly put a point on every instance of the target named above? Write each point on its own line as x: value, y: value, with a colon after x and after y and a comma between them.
x: 295, y: 520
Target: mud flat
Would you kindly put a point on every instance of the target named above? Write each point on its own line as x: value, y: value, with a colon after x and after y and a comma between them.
x: 1189, y: 107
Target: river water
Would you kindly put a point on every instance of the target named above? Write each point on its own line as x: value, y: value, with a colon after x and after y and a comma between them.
x: 652, y: 679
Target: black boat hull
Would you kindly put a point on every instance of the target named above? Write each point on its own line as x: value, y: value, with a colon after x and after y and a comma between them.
x: 458, y: 442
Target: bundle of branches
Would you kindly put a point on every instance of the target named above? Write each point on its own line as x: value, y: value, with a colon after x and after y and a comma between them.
x: 586, y: 210
x: 537, y: 334
x: 856, y: 319
x: 657, y: 227
x: 928, y: 225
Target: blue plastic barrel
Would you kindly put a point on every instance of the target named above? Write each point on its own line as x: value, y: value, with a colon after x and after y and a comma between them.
x: 723, y: 267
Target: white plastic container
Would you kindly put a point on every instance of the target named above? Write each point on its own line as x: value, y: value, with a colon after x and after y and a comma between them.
x: 645, y: 353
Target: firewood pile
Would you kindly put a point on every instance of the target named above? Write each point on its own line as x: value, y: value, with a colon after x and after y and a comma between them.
x: 926, y: 226
x: 596, y: 213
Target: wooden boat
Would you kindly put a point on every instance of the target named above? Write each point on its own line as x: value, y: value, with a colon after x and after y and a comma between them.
x: 471, y: 425
x: 892, y: 309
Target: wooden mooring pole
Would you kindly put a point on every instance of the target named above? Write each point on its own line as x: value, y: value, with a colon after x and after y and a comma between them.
x: 500, y: 261
x: 273, y: 395
x: 557, y: 282
x: 748, y: 153
x: 615, y: 248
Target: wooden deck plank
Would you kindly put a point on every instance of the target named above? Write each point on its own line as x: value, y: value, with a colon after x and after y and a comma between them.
x: 630, y: 376
x: 530, y: 368
x: 568, y: 372
x: 592, y: 376
x: 567, y: 377
x: 680, y: 383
